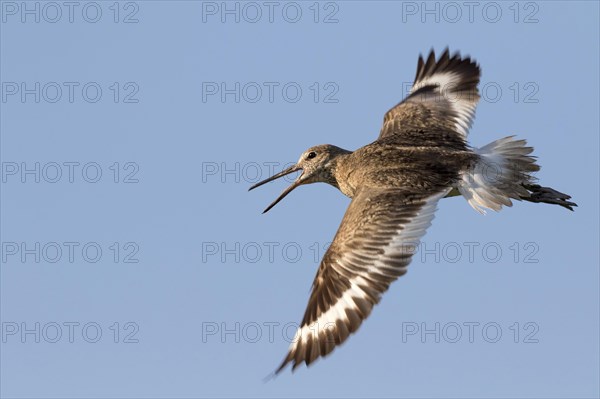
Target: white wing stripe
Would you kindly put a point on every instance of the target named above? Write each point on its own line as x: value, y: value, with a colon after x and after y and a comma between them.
x: 411, y: 233
x: 336, y: 312
x: 461, y: 102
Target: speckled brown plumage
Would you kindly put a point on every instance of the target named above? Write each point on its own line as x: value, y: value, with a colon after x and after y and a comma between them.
x: 395, y: 183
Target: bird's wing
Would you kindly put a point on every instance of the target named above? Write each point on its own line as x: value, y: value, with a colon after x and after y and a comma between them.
x: 442, y: 99
x: 372, y: 247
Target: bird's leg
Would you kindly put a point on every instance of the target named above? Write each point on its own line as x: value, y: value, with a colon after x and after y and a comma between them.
x: 547, y: 195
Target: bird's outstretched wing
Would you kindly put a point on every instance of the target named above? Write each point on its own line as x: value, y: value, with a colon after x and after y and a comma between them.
x: 372, y: 247
x: 441, y: 101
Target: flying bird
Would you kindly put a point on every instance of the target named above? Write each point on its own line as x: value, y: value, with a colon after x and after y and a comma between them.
x: 420, y: 157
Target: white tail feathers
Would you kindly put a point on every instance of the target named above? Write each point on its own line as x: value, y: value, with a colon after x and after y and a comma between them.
x: 504, y: 166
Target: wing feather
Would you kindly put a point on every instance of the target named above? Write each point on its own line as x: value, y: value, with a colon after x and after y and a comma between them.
x: 372, y: 248
x: 443, y: 98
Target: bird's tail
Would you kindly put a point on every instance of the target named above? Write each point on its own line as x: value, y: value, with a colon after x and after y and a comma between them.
x: 503, y: 172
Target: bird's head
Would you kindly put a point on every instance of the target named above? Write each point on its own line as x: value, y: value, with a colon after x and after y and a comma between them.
x: 317, y: 165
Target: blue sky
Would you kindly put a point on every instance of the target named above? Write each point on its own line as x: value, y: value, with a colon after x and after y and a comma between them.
x: 136, y: 264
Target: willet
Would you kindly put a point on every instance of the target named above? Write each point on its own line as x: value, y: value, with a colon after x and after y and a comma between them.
x: 395, y: 183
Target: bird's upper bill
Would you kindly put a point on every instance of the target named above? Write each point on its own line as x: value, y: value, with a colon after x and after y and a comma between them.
x: 296, y: 183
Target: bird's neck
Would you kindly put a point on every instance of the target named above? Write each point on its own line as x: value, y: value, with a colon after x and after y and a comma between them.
x: 338, y: 171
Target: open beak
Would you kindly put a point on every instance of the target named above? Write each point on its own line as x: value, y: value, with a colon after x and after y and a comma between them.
x: 288, y: 190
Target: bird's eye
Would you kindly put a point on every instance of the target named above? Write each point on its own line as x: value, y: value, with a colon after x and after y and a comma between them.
x: 311, y: 155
